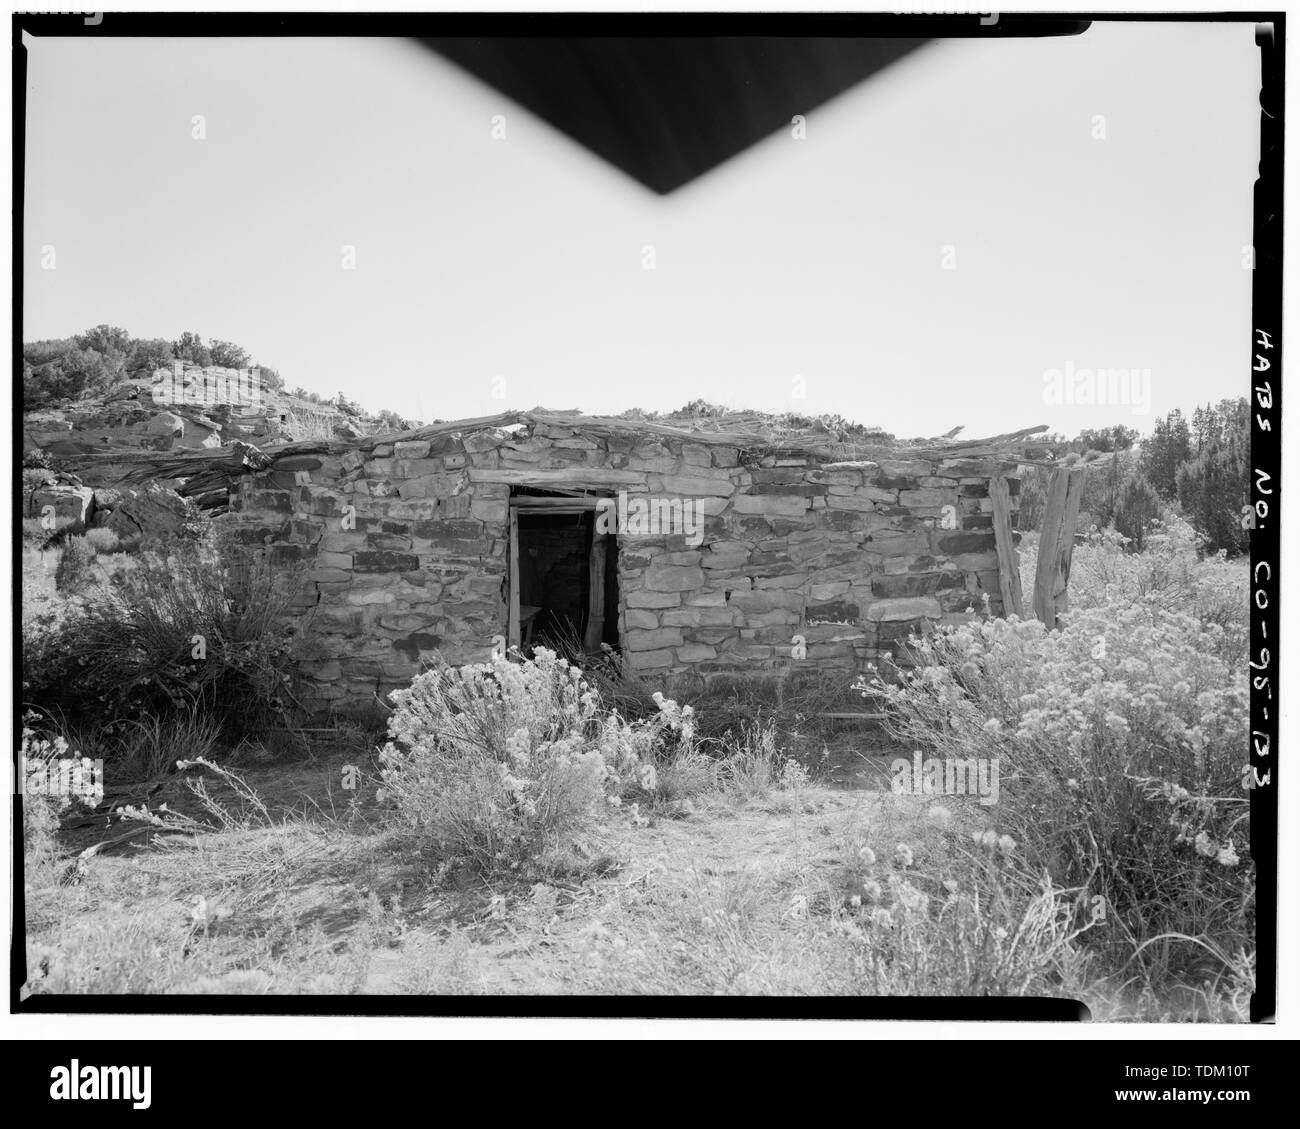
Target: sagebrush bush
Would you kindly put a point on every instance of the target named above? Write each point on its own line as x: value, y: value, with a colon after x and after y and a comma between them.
x: 198, y: 623
x: 76, y: 558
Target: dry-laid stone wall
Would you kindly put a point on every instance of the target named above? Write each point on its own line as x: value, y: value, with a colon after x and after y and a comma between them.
x: 796, y: 562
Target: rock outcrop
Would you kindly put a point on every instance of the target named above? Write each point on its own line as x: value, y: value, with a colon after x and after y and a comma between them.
x: 61, y: 503
x: 148, y: 512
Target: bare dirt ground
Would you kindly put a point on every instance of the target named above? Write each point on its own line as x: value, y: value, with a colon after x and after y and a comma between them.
x: 541, y: 938
x: 333, y: 903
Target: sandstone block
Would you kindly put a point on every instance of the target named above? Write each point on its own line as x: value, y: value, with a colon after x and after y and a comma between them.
x: 329, y: 574
x: 388, y: 542
x: 680, y: 484
x: 952, y: 544
x: 779, y: 579
x: 342, y: 541
x: 674, y: 578
x: 697, y: 617
x: 641, y: 598
x: 489, y: 510
x: 651, y: 660
x: 770, y: 505
x: 836, y: 477
x: 639, y: 639
x: 857, y: 502
x: 712, y: 598
x: 821, y: 593
x: 915, y: 584
x: 903, y: 608
x: 380, y: 561
x: 361, y: 597
x: 912, y: 498
x: 765, y: 600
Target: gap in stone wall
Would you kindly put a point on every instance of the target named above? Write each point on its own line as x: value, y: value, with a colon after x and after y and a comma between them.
x: 554, y: 573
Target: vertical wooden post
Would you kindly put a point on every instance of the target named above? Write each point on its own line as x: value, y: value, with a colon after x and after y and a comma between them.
x: 1056, y: 546
x: 596, y: 594
x: 512, y: 638
x: 1004, y: 539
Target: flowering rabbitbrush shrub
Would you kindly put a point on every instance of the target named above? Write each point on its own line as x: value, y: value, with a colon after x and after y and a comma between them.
x: 501, y: 763
x: 1121, y: 738
x: 1172, y: 573
x: 657, y: 757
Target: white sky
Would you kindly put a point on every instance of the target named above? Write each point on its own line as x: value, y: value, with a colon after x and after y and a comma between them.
x: 523, y: 259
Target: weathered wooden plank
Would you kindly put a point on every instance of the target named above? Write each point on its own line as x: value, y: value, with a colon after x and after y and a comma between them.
x: 1048, y: 547
x: 743, y: 430
x: 596, y: 595
x: 575, y: 503
x: 512, y: 637
x: 1056, y: 545
x: 572, y: 476
x: 1004, y: 539
x: 1074, y: 493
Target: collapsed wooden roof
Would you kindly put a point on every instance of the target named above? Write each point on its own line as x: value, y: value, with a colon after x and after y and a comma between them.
x: 207, y: 470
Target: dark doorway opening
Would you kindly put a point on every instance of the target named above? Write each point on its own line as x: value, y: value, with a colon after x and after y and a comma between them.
x: 564, y: 575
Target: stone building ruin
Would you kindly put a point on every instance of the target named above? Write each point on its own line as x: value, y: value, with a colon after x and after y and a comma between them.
x: 696, y: 553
